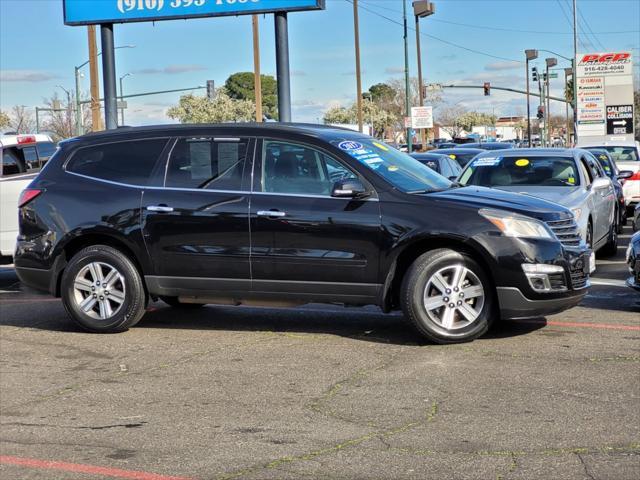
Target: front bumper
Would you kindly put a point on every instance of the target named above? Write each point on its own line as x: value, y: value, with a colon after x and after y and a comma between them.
x: 514, y: 305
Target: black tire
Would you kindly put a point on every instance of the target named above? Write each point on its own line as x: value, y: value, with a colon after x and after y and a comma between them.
x: 610, y: 248
x: 124, y: 316
x: 621, y: 215
x: 175, y: 302
x: 416, y: 281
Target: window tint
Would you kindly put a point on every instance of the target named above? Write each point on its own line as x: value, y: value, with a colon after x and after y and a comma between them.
x: 445, y: 169
x: 214, y: 164
x: 45, y: 151
x: 12, y: 164
x: 586, y: 173
x: 455, y: 167
x: 126, y: 162
x: 293, y: 168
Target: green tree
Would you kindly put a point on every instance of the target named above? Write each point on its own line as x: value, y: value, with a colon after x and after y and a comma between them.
x: 380, y: 92
x: 197, y: 109
x: 241, y: 86
x: 5, y: 121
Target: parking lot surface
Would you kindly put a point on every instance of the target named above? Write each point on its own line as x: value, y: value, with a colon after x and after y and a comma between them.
x: 320, y: 392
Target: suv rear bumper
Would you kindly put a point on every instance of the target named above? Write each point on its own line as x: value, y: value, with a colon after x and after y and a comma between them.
x: 37, y: 279
x: 514, y: 305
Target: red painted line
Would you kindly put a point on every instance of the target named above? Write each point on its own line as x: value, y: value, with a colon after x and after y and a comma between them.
x: 80, y: 468
x: 605, y: 326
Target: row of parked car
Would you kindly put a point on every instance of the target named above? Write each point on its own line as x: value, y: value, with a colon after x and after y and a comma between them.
x: 286, y: 214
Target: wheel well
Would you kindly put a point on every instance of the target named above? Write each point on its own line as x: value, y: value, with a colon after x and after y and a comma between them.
x: 78, y: 243
x: 408, y: 256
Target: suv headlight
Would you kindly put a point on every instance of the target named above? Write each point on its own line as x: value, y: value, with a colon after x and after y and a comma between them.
x: 514, y: 225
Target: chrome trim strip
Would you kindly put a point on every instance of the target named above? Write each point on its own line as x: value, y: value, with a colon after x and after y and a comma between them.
x: 242, y: 192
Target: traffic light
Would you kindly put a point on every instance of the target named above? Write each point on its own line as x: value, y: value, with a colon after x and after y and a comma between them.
x: 211, y: 90
x: 540, y: 112
x: 487, y: 89
x: 544, y: 77
x: 534, y: 74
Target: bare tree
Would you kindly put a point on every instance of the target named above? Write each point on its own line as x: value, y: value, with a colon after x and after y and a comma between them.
x: 21, y: 120
x: 449, y: 118
x: 61, y: 120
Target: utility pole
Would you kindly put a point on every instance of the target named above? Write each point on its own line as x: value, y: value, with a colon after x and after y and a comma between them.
x: 530, y: 55
x: 257, y: 80
x: 122, y: 98
x: 575, y: 76
x: 421, y: 8
x: 567, y: 72
x: 549, y: 62
x: 96, y: 120
x: 406, y: 74
x: 356, y: 31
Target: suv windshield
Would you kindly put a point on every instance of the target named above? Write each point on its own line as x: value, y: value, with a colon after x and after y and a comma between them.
x: 518, y: 171
x: 620, y: 154
x: 399, y: 169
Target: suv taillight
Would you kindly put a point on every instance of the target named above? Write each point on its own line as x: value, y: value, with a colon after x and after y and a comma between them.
x: 27, y: 195
x: 635, y: 176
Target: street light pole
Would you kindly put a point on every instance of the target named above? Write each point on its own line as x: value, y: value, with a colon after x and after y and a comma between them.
x: 549, y: 62
x: 530, y: 55
x: 406, y: 74
x: 79, y: 129
x: 68, y: 108
x: 356, y: 31
x: 567, y: 72
x: 421, y: 8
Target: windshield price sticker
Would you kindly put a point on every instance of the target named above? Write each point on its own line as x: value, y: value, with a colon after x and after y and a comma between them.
x: 349, y: 145
x: 486, y: 162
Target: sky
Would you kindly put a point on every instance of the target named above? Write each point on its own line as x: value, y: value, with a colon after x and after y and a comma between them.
x: 38, y: 52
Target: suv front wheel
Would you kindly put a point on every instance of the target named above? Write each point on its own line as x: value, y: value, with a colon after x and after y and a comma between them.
x: 447, y: 296
x: 102, y: 290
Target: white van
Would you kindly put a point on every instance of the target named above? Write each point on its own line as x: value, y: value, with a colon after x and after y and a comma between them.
x: 21, y: 158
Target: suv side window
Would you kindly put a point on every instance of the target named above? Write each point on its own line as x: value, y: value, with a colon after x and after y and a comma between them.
x: 31, y: 159
x: 299, y: 169
x: 129, y: 162
x: 210, y: 163
x: 11, y: 162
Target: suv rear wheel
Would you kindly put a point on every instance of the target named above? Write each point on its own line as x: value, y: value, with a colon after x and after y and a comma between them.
x: 102, y: 290
x: 447, y: 296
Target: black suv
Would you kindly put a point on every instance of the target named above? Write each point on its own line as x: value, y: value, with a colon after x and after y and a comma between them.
x: 286, y: 214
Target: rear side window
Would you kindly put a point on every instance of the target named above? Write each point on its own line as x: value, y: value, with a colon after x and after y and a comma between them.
x: 209, y: 163
x: 12, y: 162
x: 45, y: 151
x: 128, y: 162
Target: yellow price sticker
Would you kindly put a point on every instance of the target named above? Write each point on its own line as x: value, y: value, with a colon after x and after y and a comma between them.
x: 571, y: 180
x: 392, y: 168
x: 452, y: 156
x: 522, y: 162
x: 381, y: 147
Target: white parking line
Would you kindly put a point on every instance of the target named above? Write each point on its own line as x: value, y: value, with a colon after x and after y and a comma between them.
x: 609, y: 282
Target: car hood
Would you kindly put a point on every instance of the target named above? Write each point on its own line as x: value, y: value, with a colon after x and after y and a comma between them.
x: 566, y: 196
x: 482, y: 197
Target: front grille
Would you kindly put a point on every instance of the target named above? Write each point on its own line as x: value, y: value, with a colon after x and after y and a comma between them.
x: 566, y: 231
x: 556, y: 281
x: 579, y: 279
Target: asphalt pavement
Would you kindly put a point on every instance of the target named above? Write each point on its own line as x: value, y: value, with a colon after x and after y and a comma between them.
x: 320, y: 392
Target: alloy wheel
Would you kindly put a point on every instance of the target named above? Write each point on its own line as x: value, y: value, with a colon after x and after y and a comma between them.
x: 99, y: 290
x: 454, y: 297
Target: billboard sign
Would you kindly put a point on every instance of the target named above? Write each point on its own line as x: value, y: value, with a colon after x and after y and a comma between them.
x: 421, y: 117
x: 84, y: 12
x: 604, y: 96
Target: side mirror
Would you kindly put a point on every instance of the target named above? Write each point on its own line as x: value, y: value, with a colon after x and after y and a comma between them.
x: 351, y: 188
x: 624, y: 174
x: 601, y: 183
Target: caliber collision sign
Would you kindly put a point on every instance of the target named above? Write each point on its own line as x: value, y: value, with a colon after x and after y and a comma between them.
x: 619, y: 119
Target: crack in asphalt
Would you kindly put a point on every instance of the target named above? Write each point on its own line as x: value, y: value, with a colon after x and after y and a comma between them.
x: 584, y: 465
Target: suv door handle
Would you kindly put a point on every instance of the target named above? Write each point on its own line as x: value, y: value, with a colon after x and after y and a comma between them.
x: 160, y: 208
x: 270, y: 213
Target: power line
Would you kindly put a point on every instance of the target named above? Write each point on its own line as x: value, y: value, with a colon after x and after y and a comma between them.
x: 593, y: 35
x: 433, y: 37
x: 566, y: 16
x: 502, y: 29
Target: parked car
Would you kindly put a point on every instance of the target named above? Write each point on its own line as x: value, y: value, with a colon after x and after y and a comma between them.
x: 196, y: 214
x: 442, y: 145
x: 460, y: 155
x: 21, y: 158
x: 617, y: 177
x: 443, y: 164
x: 626, y: 155
x: 636, y: 218
x: 633, y: 262
x: 570, y: 177
x: 489, y: 145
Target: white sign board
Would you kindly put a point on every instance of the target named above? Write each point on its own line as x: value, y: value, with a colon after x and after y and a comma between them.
x: 604, y: 95
x: 421, y: 117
